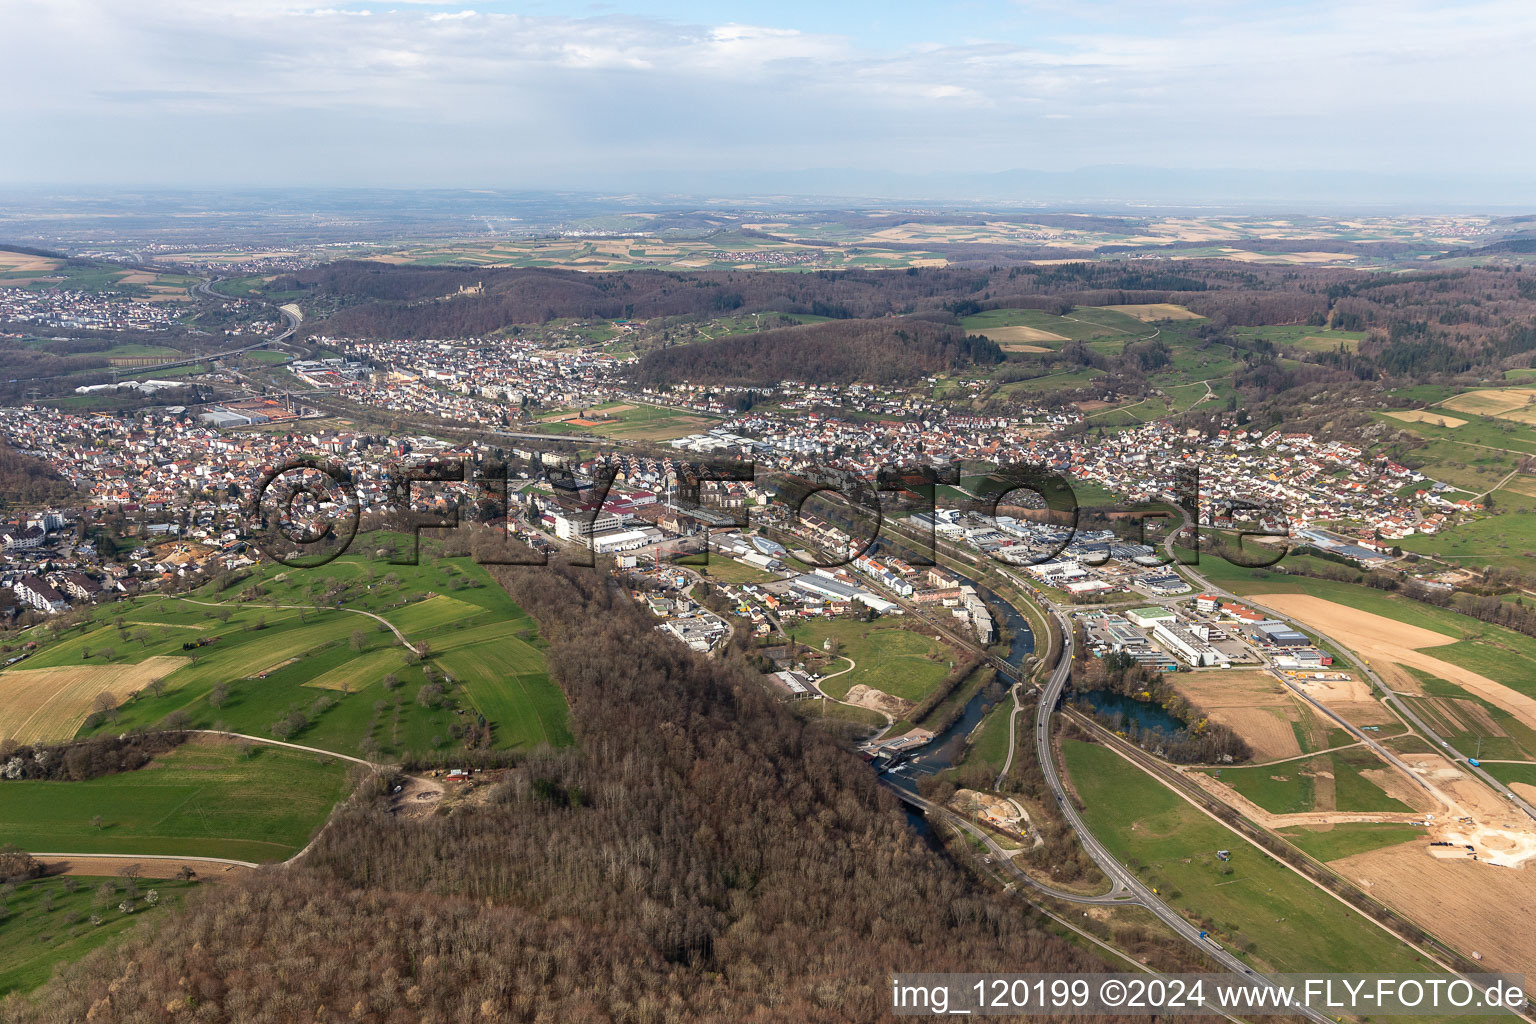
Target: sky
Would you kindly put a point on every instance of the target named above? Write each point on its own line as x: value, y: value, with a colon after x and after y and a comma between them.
x: 688, y: 95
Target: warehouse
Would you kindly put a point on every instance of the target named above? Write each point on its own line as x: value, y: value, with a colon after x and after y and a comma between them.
x: 625, y: 540
x: 1150, y: 616
x: 1278, y: 634
x: 1185, y: 643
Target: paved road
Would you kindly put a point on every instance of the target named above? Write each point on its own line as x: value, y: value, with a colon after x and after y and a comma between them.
x: 1122, y: 878
x: 1125, y: 887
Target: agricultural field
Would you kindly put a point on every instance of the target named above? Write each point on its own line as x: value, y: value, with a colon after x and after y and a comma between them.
x: 294, y: 658
x: 1518, y: 404
x: 207, y: 798
x: 20, y: 270
x: 1257, y: 708
x: 1050, y: 330
x: 1392, y: 646
x: 1478, y: 908
x: 1430, y: 416
x: 49, y: 921
x: 1153, y: 312
x: 891, y: 659
x: 1470, y: 723
x: 1251, y: 903
x: 1420, y: 650
x: 718, y: 252
x: 1302, y: 337
x: 52, y: 703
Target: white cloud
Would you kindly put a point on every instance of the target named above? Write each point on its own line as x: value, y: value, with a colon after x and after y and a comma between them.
x: 1362, y: 83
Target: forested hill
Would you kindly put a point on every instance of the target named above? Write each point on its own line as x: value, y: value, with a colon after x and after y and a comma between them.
x: 702, y: 854
x: 1437, y: 320
x: 835, y: 352
x: 365, y: 299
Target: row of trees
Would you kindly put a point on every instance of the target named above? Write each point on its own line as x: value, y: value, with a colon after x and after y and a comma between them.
x: 85, y: 759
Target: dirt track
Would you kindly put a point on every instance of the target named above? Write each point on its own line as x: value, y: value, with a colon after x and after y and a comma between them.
x: 149, y: 867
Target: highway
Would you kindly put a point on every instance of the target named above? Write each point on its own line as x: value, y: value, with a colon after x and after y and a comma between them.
x: 1125, y: 887
x: 1122, y: 879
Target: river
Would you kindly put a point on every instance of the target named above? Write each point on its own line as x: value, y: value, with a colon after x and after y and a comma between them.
x: 946, y: 747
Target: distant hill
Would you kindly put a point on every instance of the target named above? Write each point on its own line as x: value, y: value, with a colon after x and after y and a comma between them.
x: 840, y: 351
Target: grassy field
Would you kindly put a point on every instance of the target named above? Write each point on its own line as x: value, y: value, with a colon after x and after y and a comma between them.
x: 1251, y: 903
x: 1346, y: 840
x: 1071, y: 328
x: 48, y: 922
x: 1279, y: 789
x: 1507, y: 773
x: 1302, y: 336
x: 319, y: 674
x: 207, y: 798
x: 508, y: 683
x: 889, y: 658
x: 987, y: 745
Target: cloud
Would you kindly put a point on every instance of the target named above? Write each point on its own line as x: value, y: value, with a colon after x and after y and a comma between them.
x: 1365, y: 84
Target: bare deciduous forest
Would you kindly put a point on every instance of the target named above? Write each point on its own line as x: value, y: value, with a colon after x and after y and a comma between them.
x: 702, y: 855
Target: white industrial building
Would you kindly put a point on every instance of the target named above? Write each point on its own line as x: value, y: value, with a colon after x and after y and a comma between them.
x: 571, y: 527
x: 1189, y: 643
x: 625, y: 540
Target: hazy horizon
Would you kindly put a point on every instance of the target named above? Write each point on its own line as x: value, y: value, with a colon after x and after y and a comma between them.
x: 1320, y: 104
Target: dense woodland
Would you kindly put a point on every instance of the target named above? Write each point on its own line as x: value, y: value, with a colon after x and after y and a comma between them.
x: 1419, y: 323
x: 834, y: 352
x: 30, y: 482
x: 702, y: 855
